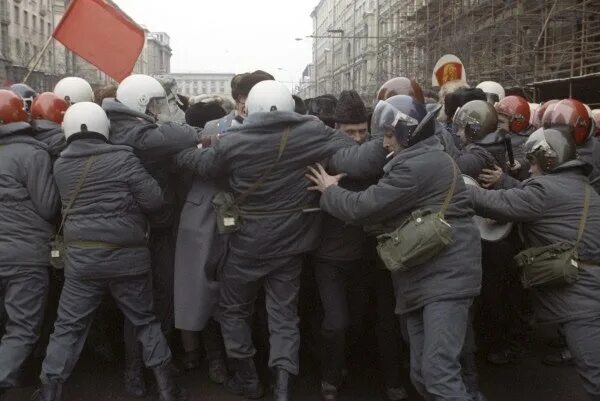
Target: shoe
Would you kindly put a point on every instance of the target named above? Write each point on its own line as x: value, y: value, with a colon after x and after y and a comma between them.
x: 191, y: 360
x: 396, y: 394
x: 167, y: 388
x: 282, y: 391
x: 245, y: 381
x: 47, y: 392
x: 133, y: 378
x: 561, y: 358
x: 217, y: 370
x: 329, y: 392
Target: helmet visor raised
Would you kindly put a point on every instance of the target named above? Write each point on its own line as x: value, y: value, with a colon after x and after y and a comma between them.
x: 388, y: 118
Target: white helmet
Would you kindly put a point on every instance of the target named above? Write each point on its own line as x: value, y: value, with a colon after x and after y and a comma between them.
x: 142, y: 93
x: 267, y: 96
x: 492, y: 88
x: 85, y: 117
x: 74, y: 90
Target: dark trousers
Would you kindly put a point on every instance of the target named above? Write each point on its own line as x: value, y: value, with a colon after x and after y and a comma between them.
x: 242, y: 278
x: 344, y: 291
x: 162, y: 252
x: 583, y: 340
x: 24, y: 295
x: 437, y: 335
x: 79, y: 300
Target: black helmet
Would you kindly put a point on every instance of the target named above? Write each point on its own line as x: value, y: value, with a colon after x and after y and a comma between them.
x: 407, y: 117
x: 25, y: 92
x: 550, y: 148
x: 477, y: 119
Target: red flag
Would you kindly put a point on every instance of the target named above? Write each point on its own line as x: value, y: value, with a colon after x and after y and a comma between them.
x: 103, y: 35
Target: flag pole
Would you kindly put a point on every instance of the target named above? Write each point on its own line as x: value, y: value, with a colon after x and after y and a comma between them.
x: 38, y: 59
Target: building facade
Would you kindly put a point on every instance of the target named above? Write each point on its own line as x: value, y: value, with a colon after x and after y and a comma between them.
x: 361, y: 43
x: 193, y: 84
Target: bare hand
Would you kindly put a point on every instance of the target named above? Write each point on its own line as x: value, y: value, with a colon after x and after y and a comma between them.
x: 321, y: 179
x: 489, y: 178
x: 515, y: 167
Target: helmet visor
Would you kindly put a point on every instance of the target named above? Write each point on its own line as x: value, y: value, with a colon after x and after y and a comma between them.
x: 461, y: 121
x: 388, y: 118
x: 157, y: 106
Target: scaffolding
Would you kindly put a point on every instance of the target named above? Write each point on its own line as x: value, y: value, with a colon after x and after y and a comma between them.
x: 514, y: 42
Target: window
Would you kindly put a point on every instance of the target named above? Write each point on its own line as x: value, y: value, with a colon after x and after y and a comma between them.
x: 34, y: 22
x: 25, y: 19
x: 17, y: 13
x: 26, y: 53
x: 42, y: 26
x: 49, y: 28
x: 18, y: 47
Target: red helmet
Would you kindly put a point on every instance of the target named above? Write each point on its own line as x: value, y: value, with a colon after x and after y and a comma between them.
x: 517, y: 110
x: 596, y: 118
x: 537, y: 117
x: 49, y: 106
x: 401, y: 86
x: 575, y: 115
x: 12, y: 108
x: 547, y: 117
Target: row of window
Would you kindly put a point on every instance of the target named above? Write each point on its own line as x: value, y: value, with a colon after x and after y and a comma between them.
x: 24, y: 52
x: 34, y: 21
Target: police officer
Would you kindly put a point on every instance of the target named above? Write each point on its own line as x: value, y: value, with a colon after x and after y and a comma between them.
x: 106, y: 193
x: 265, y: 160
x: 47, y: 113
x: 434, y: 297
x: 74, y: 90
x: 134, y: 113
x: 557, y: 206
x: 28, y: 204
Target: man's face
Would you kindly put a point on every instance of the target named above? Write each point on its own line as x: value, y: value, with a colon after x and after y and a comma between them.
x: 390, y: 143
x: 462, y: 134
x: 358, y: 132
x: 240, y: 105
x: 534, y: 169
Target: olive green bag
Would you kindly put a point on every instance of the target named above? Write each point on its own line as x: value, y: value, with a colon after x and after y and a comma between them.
x: 423, y: 235
x: 227, y: 206
x: 556, y: 264
x: 57, y: 244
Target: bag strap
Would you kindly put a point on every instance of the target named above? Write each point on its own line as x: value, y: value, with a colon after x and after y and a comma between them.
x: 450, y: 193
x: 75, y: 193
x: 265, y: 175
x: 584, y: 215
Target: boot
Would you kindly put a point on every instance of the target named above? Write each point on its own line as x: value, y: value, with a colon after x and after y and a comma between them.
x: 133, y: 378
x: 245, y: 380
x: 396, y: 394
x: 217, y: 370
x: 47, y: 392
x: 167, y: 388
x: 191, y: 360
x: 559, y: 358
x: 282, y: 390
x: 329, y: 392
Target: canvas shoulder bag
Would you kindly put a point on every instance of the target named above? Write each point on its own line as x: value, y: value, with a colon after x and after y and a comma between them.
x: 57, y: 244
x: 555, y: 264
x: 422, y: 236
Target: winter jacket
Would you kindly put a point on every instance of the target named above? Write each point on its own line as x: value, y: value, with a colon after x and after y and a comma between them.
x: 448, y: 140
x: 51, y: 134
x: 590, y: 153
x: 273, y: 221
x: 419, y: 178
x: 217, y: 127
x: 155, y: 145
x: 28, y: 200
x: 549, y: 208
x: 105, y: 230
x: 474, y: 158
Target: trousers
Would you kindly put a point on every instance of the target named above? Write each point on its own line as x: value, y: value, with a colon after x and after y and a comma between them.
x: 583, y: 338
x: 242, y: 278
x: 78, y: 302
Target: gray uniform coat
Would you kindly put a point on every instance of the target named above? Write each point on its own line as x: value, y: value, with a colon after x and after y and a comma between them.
x: 550, y: 208
x: 246, y: 151
x: 474, y: 158
x: 419, y: 177
x: 109, y: 211
x: 28, y: 199
x: 51, y: 134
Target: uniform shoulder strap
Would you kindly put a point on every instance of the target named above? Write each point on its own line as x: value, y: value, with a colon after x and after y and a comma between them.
x: 75, y: 193
x: 452, y: 188
x: 584, y: 215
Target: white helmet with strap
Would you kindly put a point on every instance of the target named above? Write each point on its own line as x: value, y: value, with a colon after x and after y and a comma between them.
x: 267, y: 96
x: 85, y: 117
x: 141, y: 93
x: 74, y: 90
x: 492, y: 88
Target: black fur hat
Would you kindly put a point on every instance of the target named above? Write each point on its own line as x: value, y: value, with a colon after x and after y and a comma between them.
x: 198, y: 114
x: 323, y: 107
x: 461, y: 97
x: 242, y: 84
x: 350, y: 108
x: 300, y: 107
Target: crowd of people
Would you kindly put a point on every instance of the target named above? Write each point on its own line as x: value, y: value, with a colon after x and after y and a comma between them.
x: 247, y: 231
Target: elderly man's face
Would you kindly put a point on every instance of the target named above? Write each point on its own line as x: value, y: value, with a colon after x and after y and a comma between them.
x: 358, y: 132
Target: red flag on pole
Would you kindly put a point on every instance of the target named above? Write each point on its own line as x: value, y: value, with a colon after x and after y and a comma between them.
x: 103, y: 35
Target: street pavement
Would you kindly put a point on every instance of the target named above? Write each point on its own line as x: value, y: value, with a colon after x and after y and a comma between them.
x: 528, y: 381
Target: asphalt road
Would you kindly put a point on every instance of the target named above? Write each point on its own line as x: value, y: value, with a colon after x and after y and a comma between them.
x: 528, y: 381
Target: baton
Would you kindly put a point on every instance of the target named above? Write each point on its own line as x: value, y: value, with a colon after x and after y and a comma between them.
x: 509, y: 151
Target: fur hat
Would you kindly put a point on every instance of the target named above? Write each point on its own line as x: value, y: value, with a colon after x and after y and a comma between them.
x: 242, y: 84
x: 198, y: 114
x: 350, y: 108
x: 300, y: 107
x: 225, y: 102
x: 460, y: 97
x: 323, y: 107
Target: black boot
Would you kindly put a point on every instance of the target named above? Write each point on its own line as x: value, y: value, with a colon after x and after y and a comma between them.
x: 167, y: 388
x: 283, y: 385
x: 47, y: 392
x: 245, y: 379
x: 133, y: 378
x: 217, y: 370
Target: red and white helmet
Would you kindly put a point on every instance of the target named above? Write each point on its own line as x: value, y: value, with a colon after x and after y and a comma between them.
x: 12, y: 108
x: 573, y: 114
x: 49, y: 106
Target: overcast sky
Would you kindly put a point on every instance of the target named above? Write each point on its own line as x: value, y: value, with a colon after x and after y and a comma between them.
x: 231, y: 35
